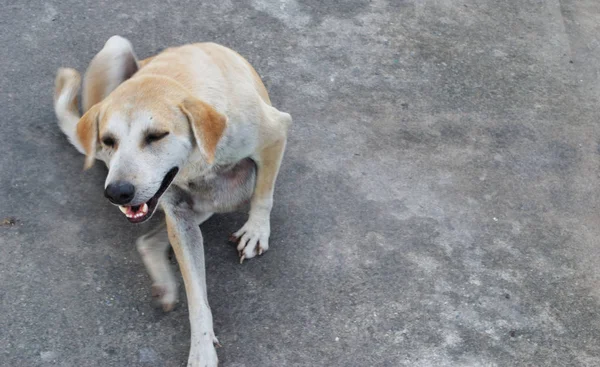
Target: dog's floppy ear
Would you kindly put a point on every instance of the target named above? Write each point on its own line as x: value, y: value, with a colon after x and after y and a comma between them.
x: 87, y: 133
x: 207, y: 125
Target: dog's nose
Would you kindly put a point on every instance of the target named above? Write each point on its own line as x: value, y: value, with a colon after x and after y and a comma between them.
x: 120, y: 192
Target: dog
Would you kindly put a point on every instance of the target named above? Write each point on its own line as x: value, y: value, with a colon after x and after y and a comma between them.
x: 190, y: 131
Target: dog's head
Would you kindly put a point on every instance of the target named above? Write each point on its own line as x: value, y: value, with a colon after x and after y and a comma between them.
x: 148, y: 128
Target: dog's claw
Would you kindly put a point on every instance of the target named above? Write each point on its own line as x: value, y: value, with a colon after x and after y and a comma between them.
x: 242, y: 259
x: 254, y: 237
x: 233, y: 238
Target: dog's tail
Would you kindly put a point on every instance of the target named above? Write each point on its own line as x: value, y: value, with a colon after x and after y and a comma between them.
x: 66, y: 88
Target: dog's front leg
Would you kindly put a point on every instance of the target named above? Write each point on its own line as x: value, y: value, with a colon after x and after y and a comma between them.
x: 153, y: 248
x: 186, y: 240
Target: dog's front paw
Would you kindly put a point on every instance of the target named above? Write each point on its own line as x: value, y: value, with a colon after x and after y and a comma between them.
x: 166, y: 294
x: 253, y: 237
x: 203, y: 355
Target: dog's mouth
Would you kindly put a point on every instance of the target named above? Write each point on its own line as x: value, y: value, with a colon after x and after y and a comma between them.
x: 143, y: 212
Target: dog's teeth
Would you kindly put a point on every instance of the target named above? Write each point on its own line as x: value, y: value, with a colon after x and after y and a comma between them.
x: 144, y: 208
x: 123, y: 209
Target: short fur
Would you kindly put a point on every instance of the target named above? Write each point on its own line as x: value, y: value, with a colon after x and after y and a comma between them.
x: 216, y: 128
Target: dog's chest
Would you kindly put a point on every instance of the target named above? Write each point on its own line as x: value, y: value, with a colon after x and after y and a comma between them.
x: 223, y: 189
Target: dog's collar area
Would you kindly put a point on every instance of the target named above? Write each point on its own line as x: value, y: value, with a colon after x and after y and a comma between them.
x: 143, y: 212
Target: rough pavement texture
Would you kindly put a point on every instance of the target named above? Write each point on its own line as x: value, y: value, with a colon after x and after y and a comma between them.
x: 438, y: 204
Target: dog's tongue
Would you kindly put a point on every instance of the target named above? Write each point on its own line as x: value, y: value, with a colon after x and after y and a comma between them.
x: 134, y: 211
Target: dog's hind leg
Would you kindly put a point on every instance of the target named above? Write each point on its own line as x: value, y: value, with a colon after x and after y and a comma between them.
x: 114, y: 64
x: 153, y: 248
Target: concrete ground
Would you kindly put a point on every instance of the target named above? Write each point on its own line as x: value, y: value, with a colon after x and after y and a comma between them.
x: 438, y: 204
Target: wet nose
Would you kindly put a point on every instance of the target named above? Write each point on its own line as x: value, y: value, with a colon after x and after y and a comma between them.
x: 119, y: 192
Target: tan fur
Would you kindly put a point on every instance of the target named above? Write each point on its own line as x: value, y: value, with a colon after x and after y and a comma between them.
x: 270, y: 157
x: 145, y: 61
x: 208, y: 125
x: 114, y: 64
x: 214, y: 111
x: 94, y: 91
x: 66, y: 76
x: 87, y: 131
x: 262, y: 90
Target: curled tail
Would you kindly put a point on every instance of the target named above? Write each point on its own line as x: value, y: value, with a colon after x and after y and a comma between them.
x: 66, y: 88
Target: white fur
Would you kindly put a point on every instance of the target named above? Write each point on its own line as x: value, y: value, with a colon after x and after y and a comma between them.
x: 222, y: 79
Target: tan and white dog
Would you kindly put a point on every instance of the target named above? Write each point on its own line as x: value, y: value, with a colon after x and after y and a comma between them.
x: 192, y: 131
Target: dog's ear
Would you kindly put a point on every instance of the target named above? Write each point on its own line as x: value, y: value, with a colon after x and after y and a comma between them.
x: 113, y: 65
x: 87, y: 133
x: 206, y: 123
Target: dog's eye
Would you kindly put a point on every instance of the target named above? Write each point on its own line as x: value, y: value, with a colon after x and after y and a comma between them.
x: 152, y: 137
x: 108, y: 141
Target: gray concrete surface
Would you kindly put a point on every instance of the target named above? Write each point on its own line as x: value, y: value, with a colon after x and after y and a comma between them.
x: 438, y: 204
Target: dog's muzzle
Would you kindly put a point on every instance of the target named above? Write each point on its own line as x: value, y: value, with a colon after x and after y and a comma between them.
x: 142, y: 212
